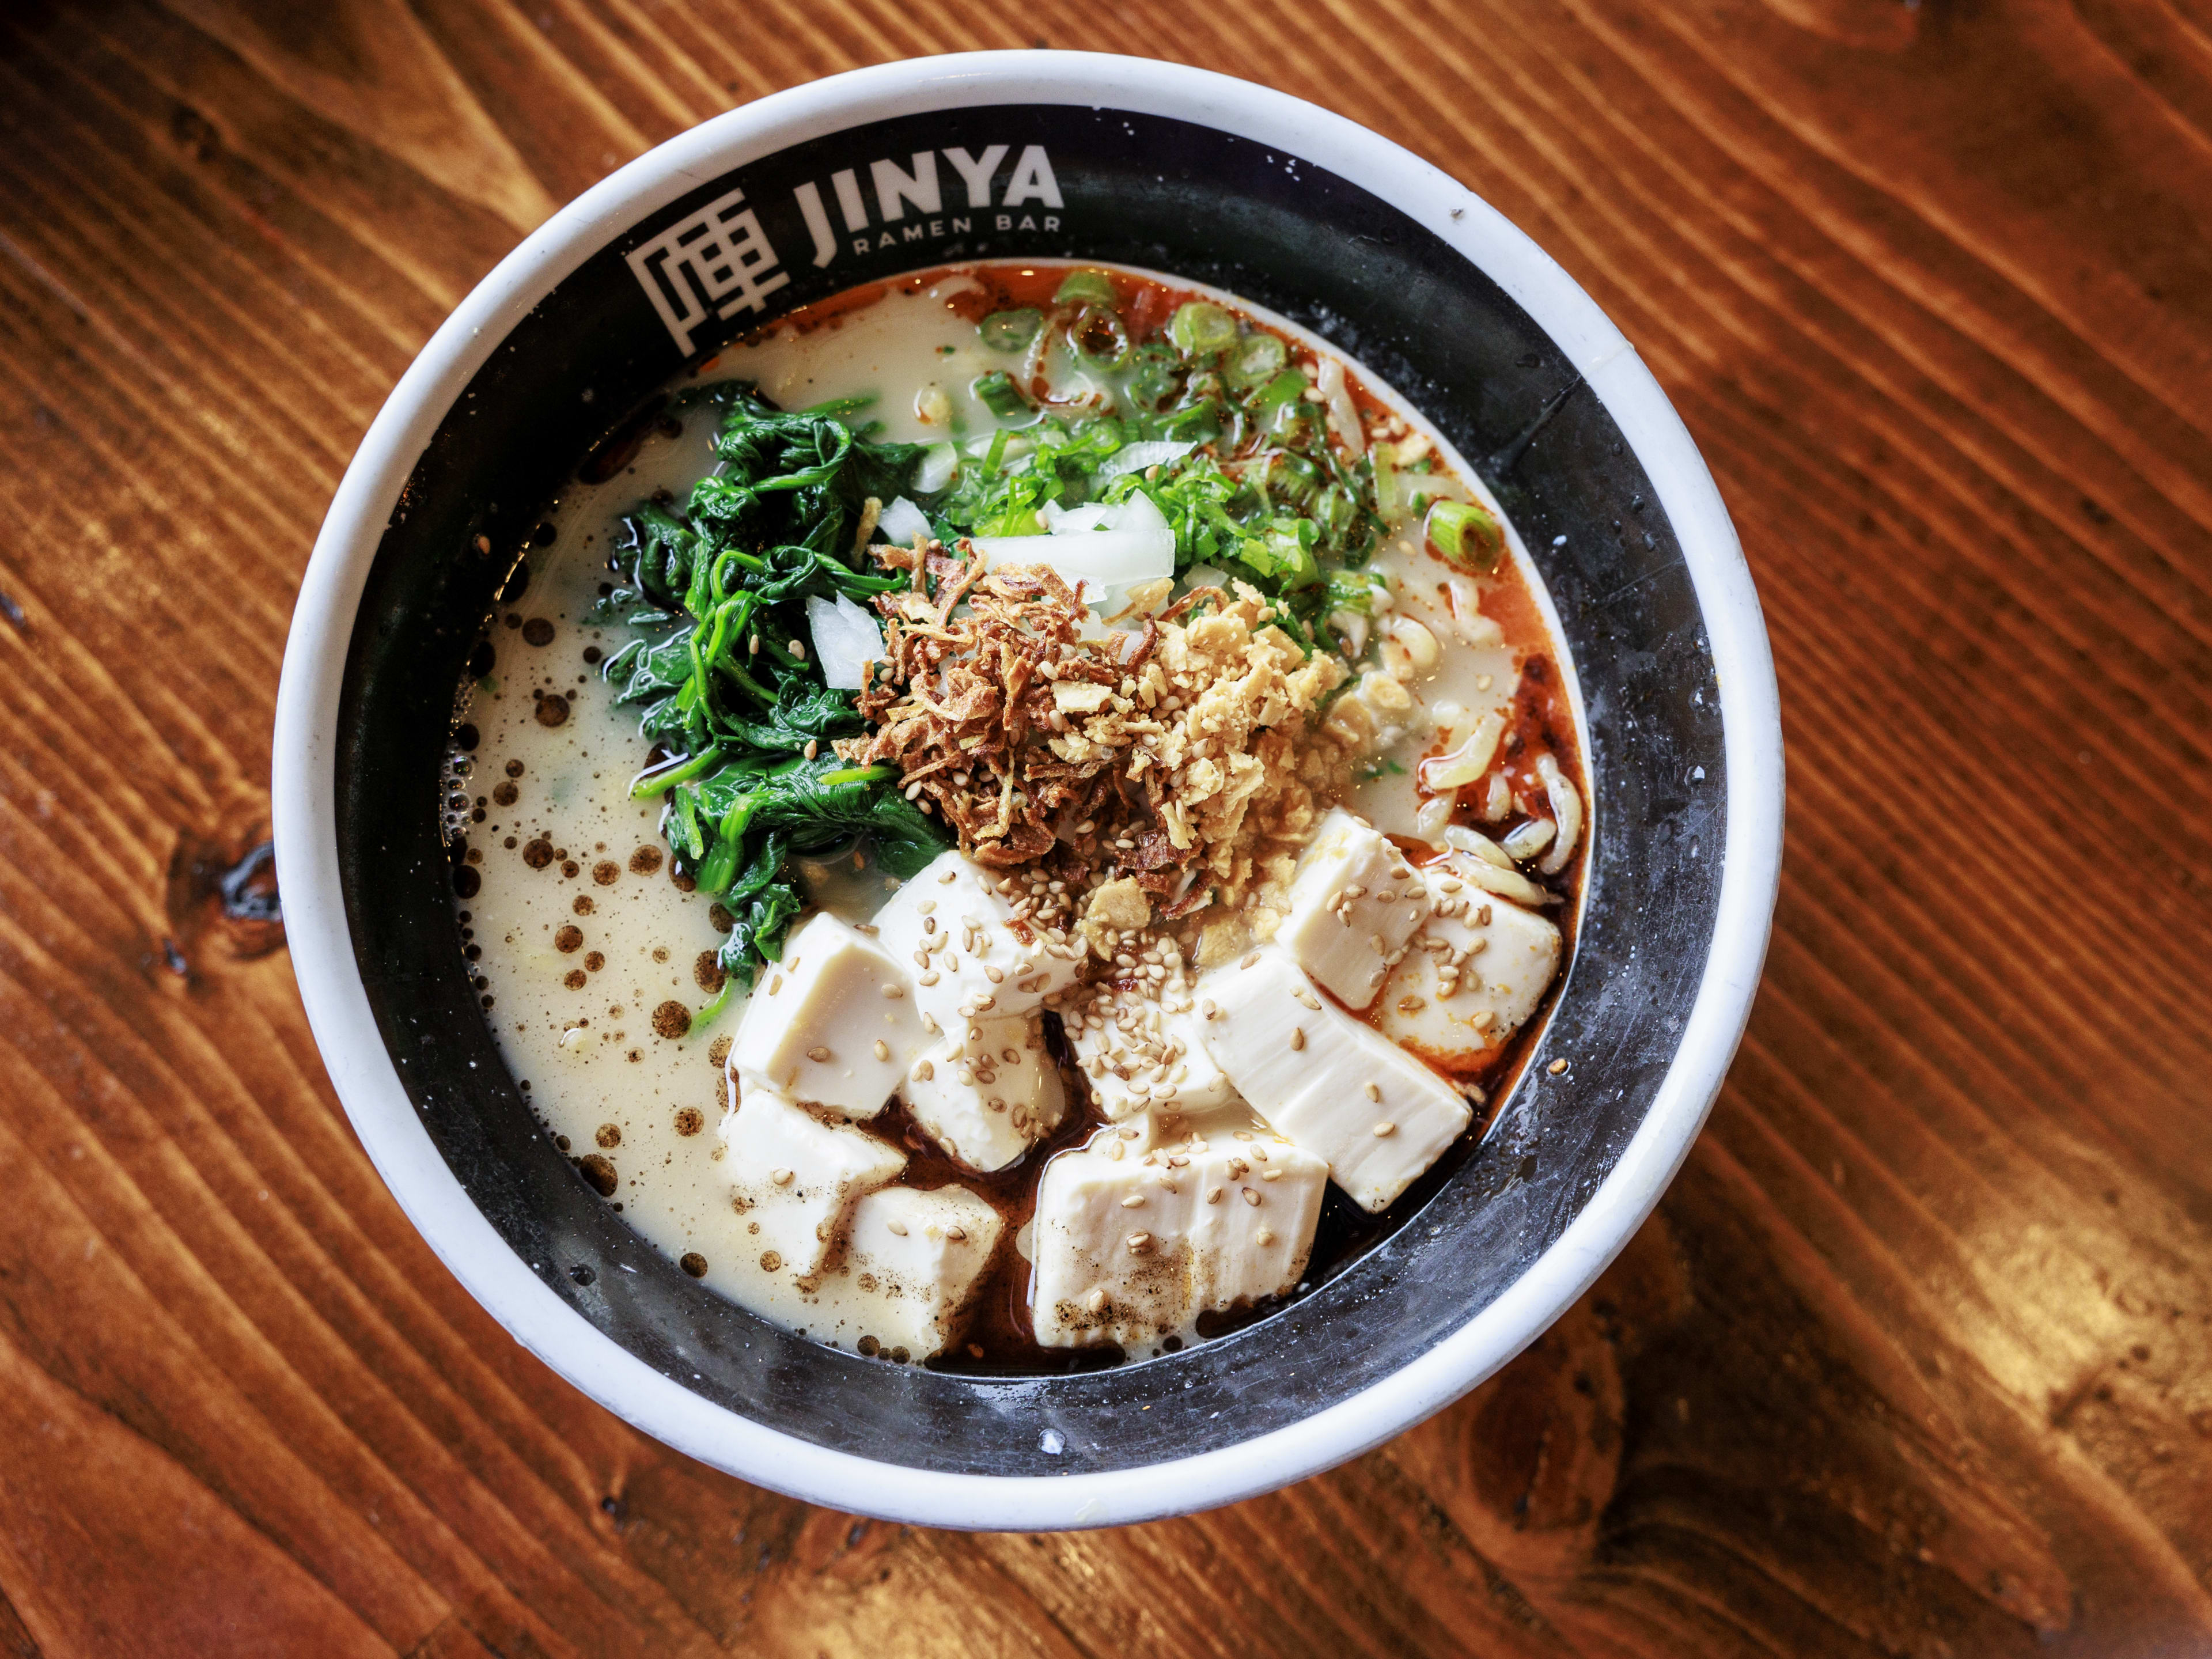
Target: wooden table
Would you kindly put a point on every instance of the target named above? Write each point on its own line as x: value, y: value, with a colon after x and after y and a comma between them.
x: 1916, y: 1357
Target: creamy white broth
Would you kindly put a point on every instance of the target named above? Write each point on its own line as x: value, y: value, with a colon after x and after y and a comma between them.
x: 592, y: 1056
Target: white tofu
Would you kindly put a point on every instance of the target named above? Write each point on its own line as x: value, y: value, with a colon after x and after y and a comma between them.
x: 1130, y: 1250
x: 922, y: 1254
x: 1139, y: 1052
x: 796, y: 1176
x: 1349, y: 1096
x: 1506, y: 957
x: 988, y: 1092
x: 1354, y: 902
x: 835, y: 1023
x: 952, y: 930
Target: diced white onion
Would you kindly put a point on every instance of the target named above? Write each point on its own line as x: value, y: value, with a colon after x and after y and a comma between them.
x: 1566, y: 807
x: 1528, y: 838
x: 1205, y: 575
x: 1343, y: 413
x: 1104, y: 558
x: 939, y: 462
x: 1137, y: 457
x: 1068, y: 520
x: 846, y: 641
x: 1139, y: 512
x: 1442, y: 774
x: 1108, y: 547
x: 902, y: 521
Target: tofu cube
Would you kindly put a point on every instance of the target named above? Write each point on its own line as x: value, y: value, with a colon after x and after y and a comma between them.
x: 835, y: 1023
x: 1351, y: 1096
x: 925, y: 1252
x: 1354, y: 902
x: 1477, y: 968
x: 988, y: 1092
x: 952, y: 930
x: 796, y: 1177
x: 1129, y: 1249
x: 1139, y: 1052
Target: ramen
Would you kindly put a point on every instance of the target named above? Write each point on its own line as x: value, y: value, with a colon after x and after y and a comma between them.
x: 1018, y: 817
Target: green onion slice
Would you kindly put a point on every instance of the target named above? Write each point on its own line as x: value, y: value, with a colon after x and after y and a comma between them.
x: 1092, y: 288
x: 1466, y: 534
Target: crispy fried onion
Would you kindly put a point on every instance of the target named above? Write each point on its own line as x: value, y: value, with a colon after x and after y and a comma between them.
x: 1185, y: 756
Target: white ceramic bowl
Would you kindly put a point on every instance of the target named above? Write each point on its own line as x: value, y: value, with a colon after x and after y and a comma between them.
x: 530, y: 1298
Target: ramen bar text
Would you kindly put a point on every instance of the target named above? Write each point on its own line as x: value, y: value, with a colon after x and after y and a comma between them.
x: 719, y: 261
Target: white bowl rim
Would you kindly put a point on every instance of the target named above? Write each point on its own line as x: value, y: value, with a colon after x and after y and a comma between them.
x: 303, y: 797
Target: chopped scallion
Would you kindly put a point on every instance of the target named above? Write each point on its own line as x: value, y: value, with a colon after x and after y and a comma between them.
x: 1092, y: 287
x: 997, y: 393
x: 1466, y: 534
x: 1201, y: 326
x: 1010, y: 331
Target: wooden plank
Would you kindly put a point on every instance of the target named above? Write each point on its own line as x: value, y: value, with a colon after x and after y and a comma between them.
x: 1917, y: 1358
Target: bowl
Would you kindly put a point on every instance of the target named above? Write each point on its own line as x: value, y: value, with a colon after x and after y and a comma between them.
x: 1140, y: 163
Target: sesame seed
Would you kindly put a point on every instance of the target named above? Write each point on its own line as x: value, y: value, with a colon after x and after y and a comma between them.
x: 1308, y: 998
x: 996, y: 975
x: 924, y: 1069
x: 818, y: 1055
x: 1558, y: 1066
x: 1384, y: 1130
x: 1097, y: 1301
x: 958, y: 1235
x: 882, y: 1049
x: 1133, y: 1200
x: 1250, y: 1197
x: 1139, y: 1242
x: 925, y: 907
x: 1266, y: 1235
x: 893, y: 992
x: 1297, y: 1037
x: 1271, y: 1174
x: 929, y: 976
x: 1250, y: 960
x: 1373, y: 1092
x: 895, y: 1227
x: 781, y: 1177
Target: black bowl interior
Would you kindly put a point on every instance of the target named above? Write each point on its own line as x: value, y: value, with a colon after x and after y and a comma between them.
x: 1176, y: 197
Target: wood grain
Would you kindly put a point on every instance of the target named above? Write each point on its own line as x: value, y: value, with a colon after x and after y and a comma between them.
x: 1916, y: 1357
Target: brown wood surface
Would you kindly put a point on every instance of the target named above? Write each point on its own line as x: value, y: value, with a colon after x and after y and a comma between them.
x: 1916, y: 1356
